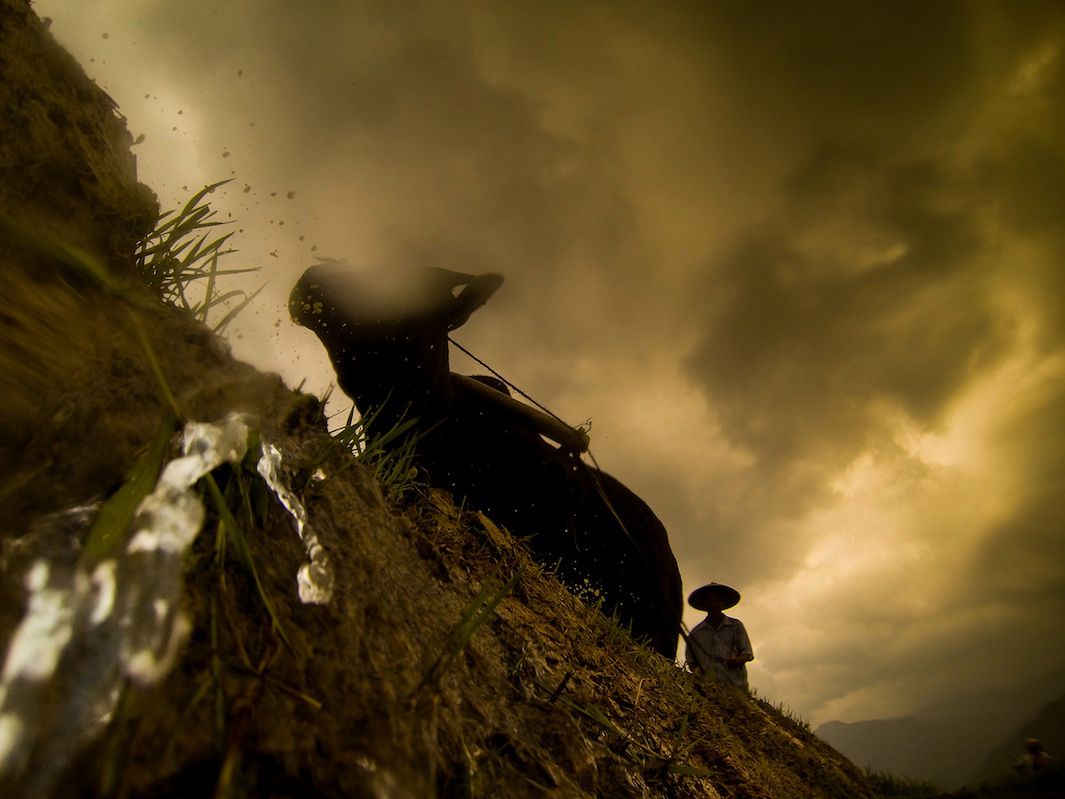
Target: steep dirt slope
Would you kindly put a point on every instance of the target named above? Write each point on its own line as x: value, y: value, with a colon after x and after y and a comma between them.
x: 369, y: 694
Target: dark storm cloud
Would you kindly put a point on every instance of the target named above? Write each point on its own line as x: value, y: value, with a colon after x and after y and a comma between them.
x: 1029, y: 172
x: 879, y: 292
x: 869, y: 285
x: 1020, y: 562
x: 885, y: 74
x: 870, y: 296
x: 801, y: 344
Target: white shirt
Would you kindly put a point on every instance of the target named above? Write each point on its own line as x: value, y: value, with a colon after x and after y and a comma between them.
x: 708, y: 650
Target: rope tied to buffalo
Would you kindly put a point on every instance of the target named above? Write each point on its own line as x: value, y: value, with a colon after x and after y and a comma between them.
x: 592, y: 473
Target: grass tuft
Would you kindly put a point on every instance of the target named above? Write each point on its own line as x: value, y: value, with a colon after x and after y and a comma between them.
x: 389, y: 455
x: 885, y: 784
x: 179, y: 261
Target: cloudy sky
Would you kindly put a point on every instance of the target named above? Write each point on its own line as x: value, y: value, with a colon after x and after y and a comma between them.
x: 802, y: 267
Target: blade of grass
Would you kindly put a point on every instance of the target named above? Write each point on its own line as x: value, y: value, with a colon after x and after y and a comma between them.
x: 595, y: 713
x: 72, y: 256
x: 157, y: 371
x: 111, y: 528
x: 234, y: 530
x: 477, y: 612
x: 212, y: 274
x: 229, y: 317
x: 288, y: 689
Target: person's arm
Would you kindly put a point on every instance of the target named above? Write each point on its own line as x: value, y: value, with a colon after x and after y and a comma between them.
x: 741, y: 645
x: 689, y: 656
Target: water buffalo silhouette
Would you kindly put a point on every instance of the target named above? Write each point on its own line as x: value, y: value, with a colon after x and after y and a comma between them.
x: 387, y: 337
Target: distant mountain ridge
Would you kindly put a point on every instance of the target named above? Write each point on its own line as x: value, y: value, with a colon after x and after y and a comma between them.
x: 1048, y: 726
x: 943, y: 752
x: 959, y: 741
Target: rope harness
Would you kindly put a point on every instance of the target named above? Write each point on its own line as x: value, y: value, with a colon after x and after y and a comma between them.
x: 497, y: 375
x: 684, y: 632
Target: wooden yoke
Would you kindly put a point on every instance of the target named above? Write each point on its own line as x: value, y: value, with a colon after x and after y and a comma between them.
x: 569, y: 438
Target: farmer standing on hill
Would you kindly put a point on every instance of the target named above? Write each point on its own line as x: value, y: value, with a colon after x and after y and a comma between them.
x: 718, y: 646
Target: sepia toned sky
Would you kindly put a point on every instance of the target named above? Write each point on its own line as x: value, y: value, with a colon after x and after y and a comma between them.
x: 802, y: 265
